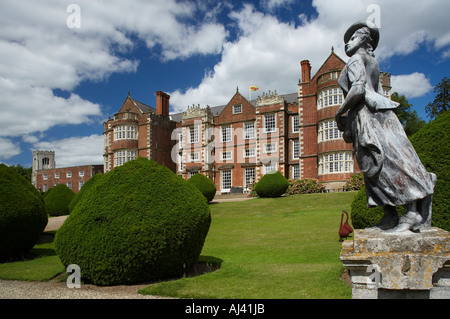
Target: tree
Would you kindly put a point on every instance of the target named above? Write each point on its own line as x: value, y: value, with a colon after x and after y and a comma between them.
x: 25, y: 172
x: 441, y: 100
x: 410, y: 120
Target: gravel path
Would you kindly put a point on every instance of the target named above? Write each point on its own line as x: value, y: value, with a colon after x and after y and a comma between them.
x: 11, y: 289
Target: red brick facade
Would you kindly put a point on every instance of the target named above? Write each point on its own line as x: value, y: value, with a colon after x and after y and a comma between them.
x: 74, y: 177
x: 139, y: 130
x: 237, y: 143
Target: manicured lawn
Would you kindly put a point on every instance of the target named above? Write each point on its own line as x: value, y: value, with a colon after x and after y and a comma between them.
x: 286, y: 247
x: 44, y: 267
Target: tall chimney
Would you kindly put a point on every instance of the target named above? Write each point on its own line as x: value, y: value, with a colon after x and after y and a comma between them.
x: 162, y: 103
x: 306, y: 71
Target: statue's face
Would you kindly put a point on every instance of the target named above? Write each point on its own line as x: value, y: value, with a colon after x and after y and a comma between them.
x: 353, y: 44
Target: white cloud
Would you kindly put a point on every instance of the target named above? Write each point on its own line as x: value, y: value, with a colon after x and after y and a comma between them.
x: 8, y: 149
x: 411, y: 85
x: 75, y: 151
x: 268, y: 52
x: 274, y: 4
x: 25, y: 110
x: 39, y: 53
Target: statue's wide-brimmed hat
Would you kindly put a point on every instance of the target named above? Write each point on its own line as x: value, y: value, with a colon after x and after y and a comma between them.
x: 374, y: 32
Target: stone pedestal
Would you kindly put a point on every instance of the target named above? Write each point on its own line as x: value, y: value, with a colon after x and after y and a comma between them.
x: 398, y: 265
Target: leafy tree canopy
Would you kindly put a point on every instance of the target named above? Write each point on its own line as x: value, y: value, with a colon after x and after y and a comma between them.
x: 441, y: 100
x: 410, y: 120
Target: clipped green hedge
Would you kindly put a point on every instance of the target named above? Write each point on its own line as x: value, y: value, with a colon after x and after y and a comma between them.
x: 138, y: 223
x: 362, y: 216
x: 432, y: 145
x: 83, y: 189
x: 22, y: 214
x: 204, y: 185
x: 57, y: 201
x: 271, y: 185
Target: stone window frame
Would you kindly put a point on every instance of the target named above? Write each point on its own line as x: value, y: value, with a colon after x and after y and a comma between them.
x: 295, y: 149
x: 327, y: 130
x: 270, y: 123
x: 249, y: 175
x: 295, y: 123
x: 125, y: 132
x: 227, y: 179
x: 124, y: 155
x: 330, y: 96
x: 248, y: 129
x: 239, y: 110
x: 336, y: 163
x: 226, y: 133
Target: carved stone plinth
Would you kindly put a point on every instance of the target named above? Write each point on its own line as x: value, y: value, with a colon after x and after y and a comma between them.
x: 398, y: 265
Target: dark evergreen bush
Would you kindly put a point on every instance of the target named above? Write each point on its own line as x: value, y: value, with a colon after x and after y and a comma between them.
x: 271, y: 185
x: 362, y: 216
x: 432, y: 145
x: 83, y: 189
x: 22, y: 214
x: 140, y: 222
x: 57, y: 201
x: 204, y: 185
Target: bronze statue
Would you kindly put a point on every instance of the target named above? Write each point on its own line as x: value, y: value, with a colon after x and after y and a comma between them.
x: 393, y: 173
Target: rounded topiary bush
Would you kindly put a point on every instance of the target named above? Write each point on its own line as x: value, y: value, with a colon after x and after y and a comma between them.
x: 57, y: 201
x: 139, y: 222
x: 362, y: 216
x: 22, y: 214
x: 204, y: 185
x: 271, y: 185
x: 83, y: 189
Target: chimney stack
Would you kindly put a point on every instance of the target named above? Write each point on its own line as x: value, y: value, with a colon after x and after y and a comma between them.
x: 306, y: 71
x: 162, y: 103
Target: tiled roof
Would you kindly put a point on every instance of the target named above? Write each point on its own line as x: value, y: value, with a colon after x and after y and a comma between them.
x: 144, y: 108
x: 216, y: 110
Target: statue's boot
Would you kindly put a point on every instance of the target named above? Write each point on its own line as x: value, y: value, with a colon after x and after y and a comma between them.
x: 389, y: 220
x: 424, y: 207
x: 409, y: 221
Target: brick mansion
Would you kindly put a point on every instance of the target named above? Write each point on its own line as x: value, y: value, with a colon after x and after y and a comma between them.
x: 235, y: 144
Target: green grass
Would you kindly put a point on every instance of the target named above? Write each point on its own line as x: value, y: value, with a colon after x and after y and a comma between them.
x: 284, y: 247
x: 44, y: 265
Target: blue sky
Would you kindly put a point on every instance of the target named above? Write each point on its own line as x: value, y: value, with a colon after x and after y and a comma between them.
x: 58, y: 84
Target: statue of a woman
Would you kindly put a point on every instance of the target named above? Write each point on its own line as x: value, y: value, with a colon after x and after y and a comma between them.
x: 393, y: 173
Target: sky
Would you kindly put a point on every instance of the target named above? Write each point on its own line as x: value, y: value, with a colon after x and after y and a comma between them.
x: 67, y: 66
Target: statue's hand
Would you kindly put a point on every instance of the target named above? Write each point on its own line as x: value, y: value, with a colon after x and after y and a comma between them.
x: 341, y: 122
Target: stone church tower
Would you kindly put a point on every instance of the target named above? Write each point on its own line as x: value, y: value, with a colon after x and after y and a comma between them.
x: 42, y: 160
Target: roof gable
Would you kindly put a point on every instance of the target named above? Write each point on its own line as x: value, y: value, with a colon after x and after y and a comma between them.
x: 331, y: 63
x: 135, y: 106
x: 227, y: 114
